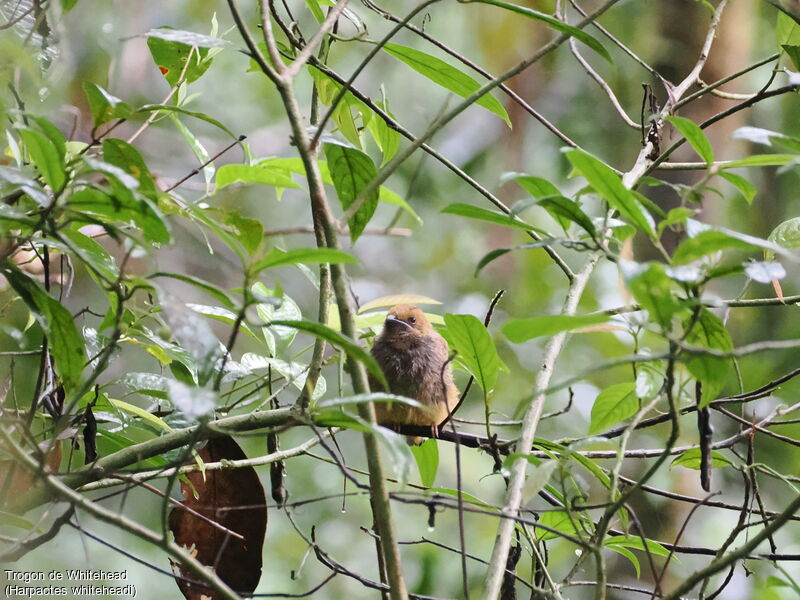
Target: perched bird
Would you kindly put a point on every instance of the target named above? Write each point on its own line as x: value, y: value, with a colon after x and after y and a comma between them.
x: 414, y: 359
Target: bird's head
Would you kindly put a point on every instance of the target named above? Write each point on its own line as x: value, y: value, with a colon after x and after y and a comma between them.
x: 405, y: 325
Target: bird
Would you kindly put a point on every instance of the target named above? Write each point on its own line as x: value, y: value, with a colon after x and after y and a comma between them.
x: 416, y: 363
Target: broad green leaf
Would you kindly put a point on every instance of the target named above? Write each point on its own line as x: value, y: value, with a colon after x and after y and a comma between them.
x: 553, y: 23
x: 747, y: 189
x: 590, y: 465
x: 427, y: 457
x: 691, y: 459
x: 446, y: 76
x: 66, y: 343
x: 767, y: 137
x: 351, y: 348
x: 762, y: 160
x: 171, y: 49
x: 387, y: 138
x: 276, y: 305
x: 171, y: 108
x: 278, y: 258
x: 45, y: 157
x: 121, y: 154
x: 565, y: 210
x: 654, y: 291
x: 351, y: 170
x: 122, y: 206
x: 371, y: 397
x: 613, y: 405
x: 786, y: 235
x: 705, y: 243
x: 609, y: 185
x: 389, y: 301
x: 475, y: 349
x: 389, y: 197
x: 695, y: 136
x: 103, y: 106
x: 204, y: 160
x: 522, y: 330
x: 193, y: 402
x: 708, y: 331
x: 249, y: 232
x: 313, y: 6
x: 327, y: 90
x: 635, y: 542
x: 535, y: 186
x: 676, y: 216
x: 223, y: 315
x: 136, y: 411
x: 295, y: 373
x: 263, y: 173
x: 490, y: 216
x: 558, y: 520
x: 622, y: 550
x: 93, y: 254
x: 209, y: 288
x: 787, y: 33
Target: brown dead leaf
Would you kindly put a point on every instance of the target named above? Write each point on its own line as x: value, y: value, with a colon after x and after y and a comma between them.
x: 233, y: 499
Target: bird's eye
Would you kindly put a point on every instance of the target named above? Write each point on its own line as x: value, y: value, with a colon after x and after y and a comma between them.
x: 412, y: 320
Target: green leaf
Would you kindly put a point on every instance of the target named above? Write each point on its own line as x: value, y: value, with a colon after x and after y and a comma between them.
x: 121, y: 154
x: 747, y: 189
x: 66, y: 343
x: 351, y: 348
x: 45, y: 156
x: 387, y: 138
x: 563, y: 209
x: 695, y: 136
x: 122, y: 207
x: 786, y: 235
x: 559, y: 520
x: 293, y: 372
x: 276, y: 305
x: 490, y: 216
x: 691, y: 459
x: 209, y: 288
x: 223, y: 315
x: 787, y: 33
x: 475, y: 349
x: 136, y: 411
x: 103, y: 106
x: 249, y: 232
x: 371, y: 397
x: 654, y: 291
x: 446, y: 76
x: 389, y: 197
x: 351, y: 171
x: 609, y: 185
x: 762, y: 160
x: 708, y: 331
x: 427, y: 457
x: 553, y: 23
x: 278, y: 258
x: 613, y: 405
x: 635, y: 542
x: 705, y: 243
x: 171, y: 108
x: 537, y: 187
x: 676, y: 216
x: 263, y: 173
x: 171, y: 49
x: 622, y: 550
x: 93, y: 254
x: 313, y: 6
x: 522, y: 330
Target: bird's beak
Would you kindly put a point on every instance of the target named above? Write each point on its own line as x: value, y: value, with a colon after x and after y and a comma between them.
x: 392, y: 321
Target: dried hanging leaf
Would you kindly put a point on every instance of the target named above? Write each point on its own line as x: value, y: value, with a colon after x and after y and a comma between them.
x: 232, y: 500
